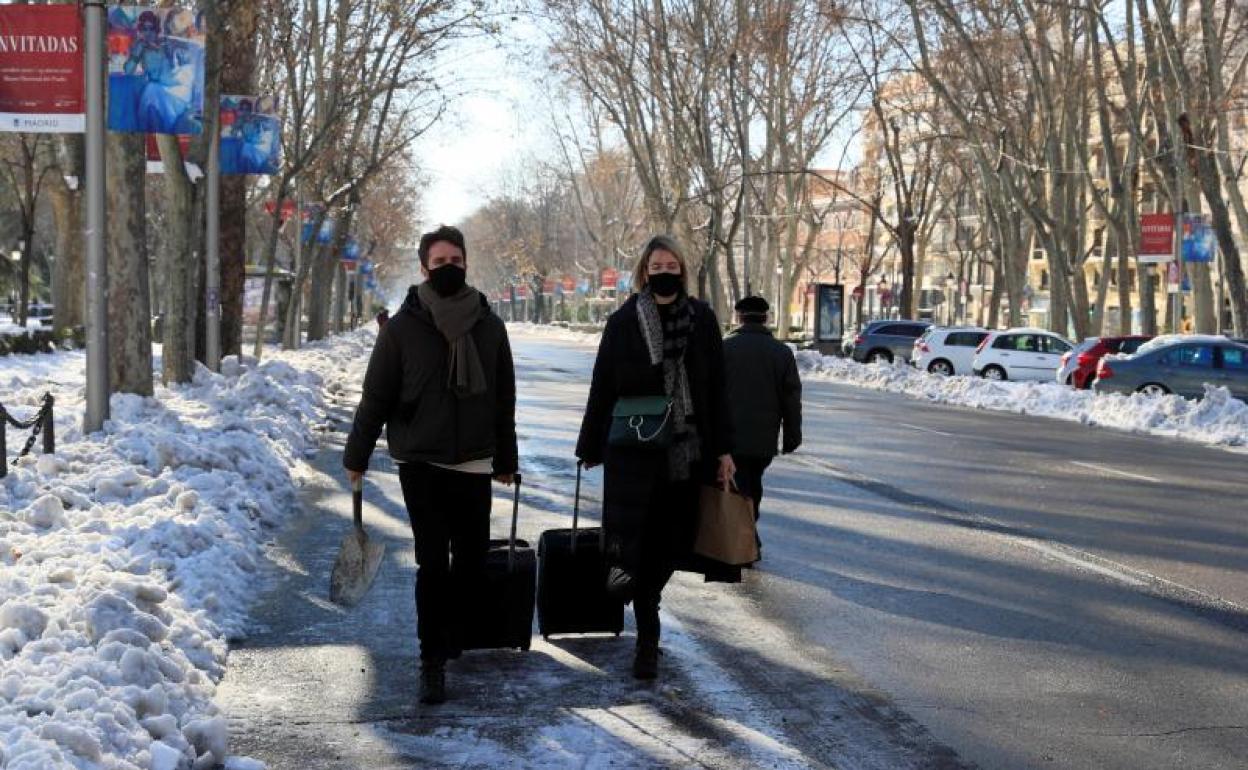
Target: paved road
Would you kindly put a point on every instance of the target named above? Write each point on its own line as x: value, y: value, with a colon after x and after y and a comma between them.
x: 315, y: 687
x: 1036, y: 593
x: 942, y: 588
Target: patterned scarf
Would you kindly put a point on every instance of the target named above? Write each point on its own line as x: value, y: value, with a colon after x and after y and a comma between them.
x: 667, y: 341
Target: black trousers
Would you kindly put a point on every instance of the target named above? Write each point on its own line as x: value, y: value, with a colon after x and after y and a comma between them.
x: 750, y: 472
x: 450, y: 515
x: 666, y: 534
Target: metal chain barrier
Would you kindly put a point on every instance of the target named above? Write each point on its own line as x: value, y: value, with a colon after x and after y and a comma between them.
x: 41, y: 423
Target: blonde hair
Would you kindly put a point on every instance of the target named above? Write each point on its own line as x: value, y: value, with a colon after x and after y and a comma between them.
x: 641, y: 273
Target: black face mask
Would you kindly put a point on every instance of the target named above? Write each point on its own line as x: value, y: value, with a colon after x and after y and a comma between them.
x: 664, y: 284
x: 447, y: 280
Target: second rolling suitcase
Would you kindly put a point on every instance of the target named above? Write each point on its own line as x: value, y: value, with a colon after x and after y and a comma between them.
x: 572, y: 593
x: 500, y: 615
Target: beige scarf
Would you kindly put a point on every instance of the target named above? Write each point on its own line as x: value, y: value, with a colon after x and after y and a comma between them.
x: 455, y: 316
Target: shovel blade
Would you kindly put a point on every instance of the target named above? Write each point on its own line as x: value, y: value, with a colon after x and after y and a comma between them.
x: 358, y: 561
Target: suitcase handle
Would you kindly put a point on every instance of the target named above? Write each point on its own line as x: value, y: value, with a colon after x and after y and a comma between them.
x: 515, y: 514
x: 576, y: 514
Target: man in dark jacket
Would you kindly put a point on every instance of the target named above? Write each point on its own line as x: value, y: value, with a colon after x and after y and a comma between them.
x: 764, y: 394
x: 441, y: 380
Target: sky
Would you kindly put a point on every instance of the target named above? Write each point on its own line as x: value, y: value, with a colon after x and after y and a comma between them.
x: 490, y: 128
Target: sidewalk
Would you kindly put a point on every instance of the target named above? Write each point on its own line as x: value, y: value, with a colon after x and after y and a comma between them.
x: 319, y: 687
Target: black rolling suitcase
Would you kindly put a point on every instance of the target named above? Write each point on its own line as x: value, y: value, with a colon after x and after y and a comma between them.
x: 501, y: 613
x: 572, y: 593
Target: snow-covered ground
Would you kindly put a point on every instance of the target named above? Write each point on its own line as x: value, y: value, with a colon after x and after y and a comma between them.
x: 128, y: 558
x: 1217, y: 419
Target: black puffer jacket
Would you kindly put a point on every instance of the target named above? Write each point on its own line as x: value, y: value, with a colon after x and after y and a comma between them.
x: 764, y: 392
x: 406, y: 390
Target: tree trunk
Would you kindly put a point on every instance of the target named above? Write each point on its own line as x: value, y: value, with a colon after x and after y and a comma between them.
x: 180, y: 267
x: 233, y: 257
x: 69, y: 283
x: 238, y: 76
x: 1211, y: 185
x: 129, y: 305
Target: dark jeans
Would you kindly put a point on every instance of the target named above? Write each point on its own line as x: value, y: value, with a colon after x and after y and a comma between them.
x: 450, y: 515
x: 750, y: 472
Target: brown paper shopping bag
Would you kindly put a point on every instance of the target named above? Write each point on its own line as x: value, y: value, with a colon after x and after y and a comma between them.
x: 726, y: 530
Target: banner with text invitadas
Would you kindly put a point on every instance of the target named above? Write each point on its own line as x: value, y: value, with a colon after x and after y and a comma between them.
x: 41, y: 80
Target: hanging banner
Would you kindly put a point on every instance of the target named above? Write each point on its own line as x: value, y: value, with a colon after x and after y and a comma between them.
x: 250, y: 135
x: 1156, y: 238
x: 1199, y: 241
x: 41, y: 83
x: 155, y: 70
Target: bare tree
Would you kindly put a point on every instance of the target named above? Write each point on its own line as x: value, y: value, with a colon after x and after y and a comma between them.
x: 26, y: 166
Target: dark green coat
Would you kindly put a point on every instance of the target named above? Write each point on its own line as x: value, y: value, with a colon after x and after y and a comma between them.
x: 764, y: 392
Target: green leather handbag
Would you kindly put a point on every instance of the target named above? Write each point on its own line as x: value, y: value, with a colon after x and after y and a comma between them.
x: 643, y: 422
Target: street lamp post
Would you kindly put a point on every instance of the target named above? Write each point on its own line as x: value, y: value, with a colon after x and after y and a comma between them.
x: 882, y: 290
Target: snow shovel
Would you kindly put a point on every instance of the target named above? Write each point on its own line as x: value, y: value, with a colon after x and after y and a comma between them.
x: 358, y: 557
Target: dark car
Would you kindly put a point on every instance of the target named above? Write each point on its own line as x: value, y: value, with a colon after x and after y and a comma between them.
x: 887, y: 341
x: 1079, y: 365
x: 1182, y: 366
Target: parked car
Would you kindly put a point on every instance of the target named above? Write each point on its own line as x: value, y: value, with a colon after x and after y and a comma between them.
x: 1020, y: 354
x: 1179, y: 364
x: 887, y: 341
x: 40, y: 312
x: 1078, y: 367
x: 947, y: 350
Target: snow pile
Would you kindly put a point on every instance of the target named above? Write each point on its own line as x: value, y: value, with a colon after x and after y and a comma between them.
x: 1218, y: 419
x: 128, y: 558
x: 551, y: 332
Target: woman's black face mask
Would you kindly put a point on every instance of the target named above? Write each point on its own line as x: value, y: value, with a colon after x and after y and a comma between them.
x: 664, y: 284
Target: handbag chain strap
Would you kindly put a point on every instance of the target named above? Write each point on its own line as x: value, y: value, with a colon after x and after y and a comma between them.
x: 636, y: 421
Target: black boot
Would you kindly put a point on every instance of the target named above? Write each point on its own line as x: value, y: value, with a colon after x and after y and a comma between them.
x: 432, y: 682
x: 646, y: 659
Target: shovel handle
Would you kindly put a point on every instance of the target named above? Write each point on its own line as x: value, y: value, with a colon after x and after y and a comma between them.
x: 357, y: 502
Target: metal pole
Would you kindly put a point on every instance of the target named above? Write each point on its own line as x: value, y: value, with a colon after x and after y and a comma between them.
x: 97, y: 259
x: 1178, y: 260
x: 212, y: 266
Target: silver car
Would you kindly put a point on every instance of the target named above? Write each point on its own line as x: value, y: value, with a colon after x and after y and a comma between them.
x: 1179, y: 365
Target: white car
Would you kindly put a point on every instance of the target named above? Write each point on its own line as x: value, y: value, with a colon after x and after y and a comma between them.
x: 947, y: 350
x: 1020, y: 354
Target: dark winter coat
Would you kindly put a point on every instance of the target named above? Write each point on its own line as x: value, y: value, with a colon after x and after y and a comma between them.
x: 623, y: 369
x: 631, y: 476
x: 764, y: 392
x: 405, y: 389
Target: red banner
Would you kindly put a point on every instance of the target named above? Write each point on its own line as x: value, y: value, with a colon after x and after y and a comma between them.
x: 548, y: 286
x: 569, y: 284
x: 41, y: 81
x: 522, y: 291
x: 610, y: 278
x: 1156, y: 237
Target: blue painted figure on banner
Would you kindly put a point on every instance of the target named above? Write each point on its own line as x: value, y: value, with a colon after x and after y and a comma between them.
x: 155, y: 70
x: 250, y: 135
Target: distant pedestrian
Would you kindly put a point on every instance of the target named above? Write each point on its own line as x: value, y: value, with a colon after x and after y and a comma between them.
x: 382, y: 317
x: 661, y: 343
x: 764, y: 395
x: 442, y: 381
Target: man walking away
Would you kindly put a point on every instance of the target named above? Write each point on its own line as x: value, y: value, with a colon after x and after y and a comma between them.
x: 441, y: 379
x: 764, y: 394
